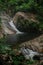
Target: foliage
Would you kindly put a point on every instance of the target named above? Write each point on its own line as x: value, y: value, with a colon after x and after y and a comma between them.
x: 3, y: 40
x: 13, y: 6
x: 40, y: 19
x: 4, y: 48
x: 17, y: 59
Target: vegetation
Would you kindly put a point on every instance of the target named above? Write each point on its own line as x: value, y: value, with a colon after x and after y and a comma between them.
x: 3, y: 40
x: 8, y: 53
x: 12, y: 6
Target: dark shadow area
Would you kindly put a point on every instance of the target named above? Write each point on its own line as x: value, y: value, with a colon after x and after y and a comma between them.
x: 36, y: 57
x: 19, y: 38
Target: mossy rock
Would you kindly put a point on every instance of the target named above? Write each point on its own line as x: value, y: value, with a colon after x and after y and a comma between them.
x: 28, y: 22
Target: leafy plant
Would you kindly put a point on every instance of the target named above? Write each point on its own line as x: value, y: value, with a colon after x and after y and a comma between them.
x: 12, y: 6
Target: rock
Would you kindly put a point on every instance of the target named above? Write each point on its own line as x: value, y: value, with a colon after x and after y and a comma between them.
x: 1, y: 35
x: 26, y: 22
x: 35, y: 44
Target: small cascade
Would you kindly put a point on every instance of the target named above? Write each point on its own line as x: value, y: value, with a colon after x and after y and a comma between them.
x: 8, y: 25
x: 14, y: 28
x: 29, y: 54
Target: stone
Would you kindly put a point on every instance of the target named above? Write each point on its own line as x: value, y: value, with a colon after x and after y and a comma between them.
x: 35, y: 44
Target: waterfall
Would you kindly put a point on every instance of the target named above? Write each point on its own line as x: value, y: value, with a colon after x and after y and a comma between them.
x: 9, y: 27
x: 14, y: 28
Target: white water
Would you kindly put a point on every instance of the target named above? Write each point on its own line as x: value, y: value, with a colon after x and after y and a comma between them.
x: 28, y: 53
x: 14, y: 28
x: 11, y: 24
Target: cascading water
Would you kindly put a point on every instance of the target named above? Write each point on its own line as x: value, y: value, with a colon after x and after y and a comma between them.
x: 14, y: 28
x: 29, y: 54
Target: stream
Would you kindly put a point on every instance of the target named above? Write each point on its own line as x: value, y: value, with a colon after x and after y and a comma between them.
x: 13, y: 34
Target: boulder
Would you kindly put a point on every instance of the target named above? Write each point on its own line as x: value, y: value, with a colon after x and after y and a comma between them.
x: 35, y: 44
x: 26, y: 22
